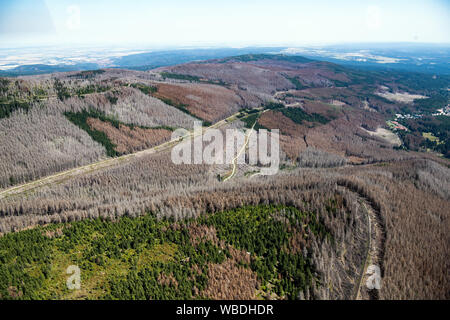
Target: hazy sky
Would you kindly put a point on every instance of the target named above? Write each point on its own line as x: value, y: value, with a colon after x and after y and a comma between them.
x: 230, y: 22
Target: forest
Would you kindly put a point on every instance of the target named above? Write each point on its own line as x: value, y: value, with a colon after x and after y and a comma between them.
x: 50, y: 134
x: 141, y: 227
x: 428, y: 132
x: 82, y: 120
x: 298, y: 115
x: 150, y: 258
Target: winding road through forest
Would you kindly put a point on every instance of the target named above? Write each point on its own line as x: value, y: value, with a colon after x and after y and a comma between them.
x: 375, y: 246
x: 247, y: 139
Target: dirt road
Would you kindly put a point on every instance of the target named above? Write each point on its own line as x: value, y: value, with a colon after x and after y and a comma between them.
x: 247, y: 139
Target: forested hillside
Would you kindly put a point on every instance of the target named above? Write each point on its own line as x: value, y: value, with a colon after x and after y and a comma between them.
x: 363, y: 179
x: 146, y: 258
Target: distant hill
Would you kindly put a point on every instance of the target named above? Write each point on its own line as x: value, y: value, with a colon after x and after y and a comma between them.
x: 35, y: 69
x: 150, y: 60
x: 140, y: 61
x: 423, y: 58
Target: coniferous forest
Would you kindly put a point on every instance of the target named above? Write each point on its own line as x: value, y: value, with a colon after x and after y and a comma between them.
x: 147, y: 258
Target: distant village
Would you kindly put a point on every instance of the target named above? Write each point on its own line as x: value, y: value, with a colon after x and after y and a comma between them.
x: 443, y: 111
x: 394, y: 124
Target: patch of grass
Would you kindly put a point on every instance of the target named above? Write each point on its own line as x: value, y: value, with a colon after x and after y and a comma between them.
x: 162, y: 253
x: 431, y: 137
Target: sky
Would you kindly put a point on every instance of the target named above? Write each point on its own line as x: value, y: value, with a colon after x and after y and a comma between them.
x: 172, y: 23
